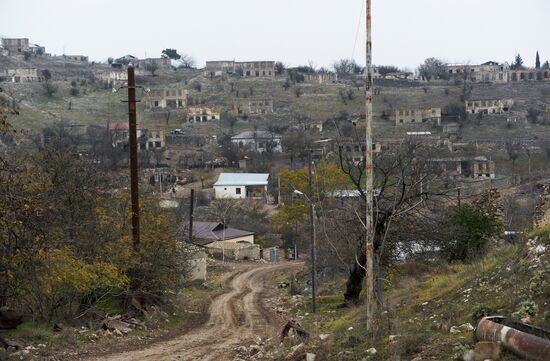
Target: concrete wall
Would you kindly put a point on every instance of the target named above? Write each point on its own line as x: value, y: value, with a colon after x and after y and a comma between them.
x: 237, y: 252
x: 230, y: 192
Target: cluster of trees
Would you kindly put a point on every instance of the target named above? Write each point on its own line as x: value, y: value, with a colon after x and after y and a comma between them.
x: 65, y: 241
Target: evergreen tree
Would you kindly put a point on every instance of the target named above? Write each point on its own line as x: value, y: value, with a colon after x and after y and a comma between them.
x: 537, y: 62
x: 517, y: 64
x: 546, y: 65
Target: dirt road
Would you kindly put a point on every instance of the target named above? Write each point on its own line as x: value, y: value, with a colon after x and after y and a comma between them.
x: 236, y: 318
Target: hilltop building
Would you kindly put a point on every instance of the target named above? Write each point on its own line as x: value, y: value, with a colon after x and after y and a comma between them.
x: 254, y: 69
x: 148, y: 139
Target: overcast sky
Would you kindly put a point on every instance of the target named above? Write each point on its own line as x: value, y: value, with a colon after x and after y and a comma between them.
x: 405, y: 32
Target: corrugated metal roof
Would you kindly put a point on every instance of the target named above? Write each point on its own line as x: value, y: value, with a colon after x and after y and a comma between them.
x: 242, y: 179
x: 208, y: 232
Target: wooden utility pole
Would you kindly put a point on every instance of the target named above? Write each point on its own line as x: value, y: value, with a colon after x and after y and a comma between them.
x: 312, y: 235
x: 191, y: 210
x: 369, y: 222
x: 132, y: 110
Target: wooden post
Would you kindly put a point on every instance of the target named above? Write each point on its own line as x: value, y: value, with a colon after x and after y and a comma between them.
x: 369, y: 222
x: 132, y: 110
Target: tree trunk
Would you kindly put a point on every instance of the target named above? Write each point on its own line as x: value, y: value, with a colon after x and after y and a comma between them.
x: 354, y: 285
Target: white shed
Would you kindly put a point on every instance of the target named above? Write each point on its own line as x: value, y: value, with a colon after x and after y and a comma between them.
x: 241, y: 185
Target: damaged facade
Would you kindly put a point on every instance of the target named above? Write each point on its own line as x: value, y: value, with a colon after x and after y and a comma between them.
x: 432, y: 115
x: 495, y: 72
x: 148, y: 139
x: 203, y: 113
x: 464, y: 167
x: 158, y: 63
x: 253, y: 69
x: 489, y: 106
x: 166, y: 98
x: 20, y: 75
x: 252, y: 107
x: 16, y: 45
x: 259, y: 141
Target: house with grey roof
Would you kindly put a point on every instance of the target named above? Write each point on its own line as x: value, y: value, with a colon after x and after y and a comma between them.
x: 259, y: 141
x: 225, y: 242
x: 241, y: 186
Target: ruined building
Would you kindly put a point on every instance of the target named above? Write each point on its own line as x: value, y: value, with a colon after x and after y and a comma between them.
x: 246, y: 69
x: 166, y: 98
x: 16, y: 45
x: 465, y: 167
x: 489, y: 106
x: 432, y: 115
x: 20, y: 75
x: 203, y: 113
x: 252, y: 107
x: 148, y: 139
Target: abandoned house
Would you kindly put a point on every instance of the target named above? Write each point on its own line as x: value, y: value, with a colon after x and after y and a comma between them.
x: 465, y: 167
x: 259, y: 141
x: 166, y: 98
x: 224, y: 242
x: 16, y: 45
x: 242, y: 186
x: 418, y: 116
x: 489, y: 106
x: 529, y: 75
x: 247, y: 69
x: 490, y: 71
x: 148, y: 139
x: 253, y: 107
x: 20, y: 75
x: 203, y: 113
x: 153, y: 63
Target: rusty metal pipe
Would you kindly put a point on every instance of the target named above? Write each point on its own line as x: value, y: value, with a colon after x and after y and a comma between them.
x: 134, y: 187
x: 521, y: 343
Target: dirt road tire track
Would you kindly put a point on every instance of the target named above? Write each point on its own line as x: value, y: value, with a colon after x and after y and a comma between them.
x: 235, y: 318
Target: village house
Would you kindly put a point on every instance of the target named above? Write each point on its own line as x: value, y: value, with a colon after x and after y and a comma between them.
x: 16, y: 45
x: 202, y: 113
x: 241, y: 186
x: 148, y: 139
x: 166, y: 98
x: 20, y: 75
x: 489, y: 106
x: 259, y: 141
x: 529, y: 75
x: 466, y: 167
x: 224, y: 242
x: 254, y: 69
x: 418, y: 116
x: 253, y: 107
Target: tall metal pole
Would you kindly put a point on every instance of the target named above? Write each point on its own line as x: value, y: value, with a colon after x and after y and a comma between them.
x: 312, y: 235
x: 132, y: 110
x: 369, y: 222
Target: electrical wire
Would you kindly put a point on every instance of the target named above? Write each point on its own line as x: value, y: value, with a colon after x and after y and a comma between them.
x: 358, y: 28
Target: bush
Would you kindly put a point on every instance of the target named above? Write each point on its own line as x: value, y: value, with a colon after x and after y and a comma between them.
x: 469, y: 228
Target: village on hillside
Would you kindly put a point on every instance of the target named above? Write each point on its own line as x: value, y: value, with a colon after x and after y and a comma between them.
x: 253, y: 184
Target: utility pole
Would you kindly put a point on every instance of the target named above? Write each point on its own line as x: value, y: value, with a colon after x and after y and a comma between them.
x: 191, y: 205
x: 369, y: 222
x: 132, y: 110
x: 312, y: 235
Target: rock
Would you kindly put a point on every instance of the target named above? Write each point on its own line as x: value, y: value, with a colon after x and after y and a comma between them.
x: 254, y: 349
x: 372, y: 351
x: 393, y: 338
x: 118, y: 332
x: 417, y: 359
x: 468, y: 355
x: 466, y: 327
x: 454, y: 329
x: 324, y: 336
x: 310, y: 356
x: 350, y: 328
x: 487, y: 350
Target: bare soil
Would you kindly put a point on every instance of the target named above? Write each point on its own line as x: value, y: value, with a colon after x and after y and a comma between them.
x: 236, y: 317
